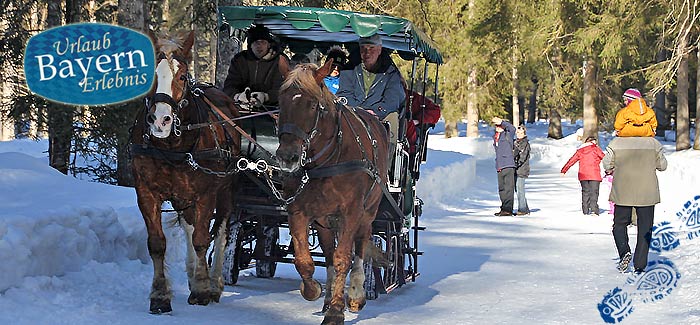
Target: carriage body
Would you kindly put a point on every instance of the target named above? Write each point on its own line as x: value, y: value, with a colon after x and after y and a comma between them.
x: 260, y: 210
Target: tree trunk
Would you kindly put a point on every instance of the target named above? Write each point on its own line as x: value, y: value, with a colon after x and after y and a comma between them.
x: 472, y: 105
x: 60, y: 117
x: 532, y: 105
x: 131, y: 14
x: 682, y: 111
x: 696, y: 143
x: 590, y: 115
x: 226, y: 46
x: 514, y: 99
x: 514, y: 94
x: 554, y: 131
x: 662, y: 115
x: 451, y: 129
x: 472, y: 108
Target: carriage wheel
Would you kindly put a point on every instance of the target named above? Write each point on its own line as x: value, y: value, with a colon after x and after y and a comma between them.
x: 267, y: 268
x: 393, y: 252
x: 232, y: 254
x: 371, y: 285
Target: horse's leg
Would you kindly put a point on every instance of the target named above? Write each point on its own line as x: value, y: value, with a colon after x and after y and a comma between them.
x: 224, y: 207
x: 356, y: 291
x: 190, y: 261
x: 199, y: 284
x: 341, y: 261
x: 326, y: 238
x: 160, y: 288
x: 299, y: 229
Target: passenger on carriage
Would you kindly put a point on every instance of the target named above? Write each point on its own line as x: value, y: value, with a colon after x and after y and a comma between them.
x: 375, y: 85
x: 420, y: 118
x: 340, y: 61
x: 254, y: 77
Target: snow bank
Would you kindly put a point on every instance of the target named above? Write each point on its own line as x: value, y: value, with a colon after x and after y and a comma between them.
x: 441, y: 184
x: 450, y: 168
x: 64, y: 225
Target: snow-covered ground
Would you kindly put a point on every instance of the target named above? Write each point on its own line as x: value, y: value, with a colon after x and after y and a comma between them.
x: 74, y: 252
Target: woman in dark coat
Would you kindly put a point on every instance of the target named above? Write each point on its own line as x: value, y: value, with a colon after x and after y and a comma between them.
x: 521, y: 154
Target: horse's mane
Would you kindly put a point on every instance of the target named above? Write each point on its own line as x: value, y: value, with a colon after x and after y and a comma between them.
x: 302, y: 78
x: 169, y: 44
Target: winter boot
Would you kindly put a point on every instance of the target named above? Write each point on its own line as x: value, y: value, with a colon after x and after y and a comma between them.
x: 624, y: 263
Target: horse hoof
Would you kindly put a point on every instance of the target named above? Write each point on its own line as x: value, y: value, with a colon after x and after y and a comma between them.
x: 333, y: 318
x: 355, y: 305
x: 215, y: 297
x: 160, y: 306
x: 311, y: 293
x: 201, y: 299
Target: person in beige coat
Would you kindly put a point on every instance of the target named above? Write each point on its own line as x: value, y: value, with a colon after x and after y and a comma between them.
x: 635, y: 161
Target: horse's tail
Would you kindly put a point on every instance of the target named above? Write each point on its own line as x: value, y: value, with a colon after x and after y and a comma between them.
x: 377, y: 256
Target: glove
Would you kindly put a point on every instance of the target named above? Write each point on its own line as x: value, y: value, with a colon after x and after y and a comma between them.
x: 258, y: 98
x: 243, y: 97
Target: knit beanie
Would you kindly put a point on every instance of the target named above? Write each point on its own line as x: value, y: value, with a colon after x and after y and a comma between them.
x: 259, y: 32
x: 339, y: 56
x: 632, y: 94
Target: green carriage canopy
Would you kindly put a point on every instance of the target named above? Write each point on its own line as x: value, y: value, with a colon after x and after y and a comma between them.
x: 328, y: 26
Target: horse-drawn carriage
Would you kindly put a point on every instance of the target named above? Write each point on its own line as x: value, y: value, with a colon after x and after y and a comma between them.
x: 260, y: 207
x: 262, y: 169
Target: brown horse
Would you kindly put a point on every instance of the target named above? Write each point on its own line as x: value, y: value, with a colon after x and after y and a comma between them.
x: 336, y: 161
x: 182, y: 153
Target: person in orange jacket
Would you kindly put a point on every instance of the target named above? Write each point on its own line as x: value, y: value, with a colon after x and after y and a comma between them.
x: 636, y: 119
x: 589, y: 157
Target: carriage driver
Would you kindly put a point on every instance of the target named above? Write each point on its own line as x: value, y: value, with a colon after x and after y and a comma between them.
x: 375, y: 85
x: 254, y: 76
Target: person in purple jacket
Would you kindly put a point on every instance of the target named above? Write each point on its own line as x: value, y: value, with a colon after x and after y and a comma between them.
x: 505, y: 164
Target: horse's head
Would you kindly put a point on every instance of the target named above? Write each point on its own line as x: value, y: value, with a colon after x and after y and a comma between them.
x: 173, y: 56
x: 304, y: 105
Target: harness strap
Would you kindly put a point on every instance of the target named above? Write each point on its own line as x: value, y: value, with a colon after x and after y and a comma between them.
x: 177, y: 156
x: 234, y: 125
x: 164, y: 98
x: 342, y: 168
x: 190, y: 127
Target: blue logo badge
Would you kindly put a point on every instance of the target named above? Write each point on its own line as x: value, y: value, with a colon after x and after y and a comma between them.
x: 89, y: 64
x: 615, y: 306
x: 663, y: 238
x: 657, y: 282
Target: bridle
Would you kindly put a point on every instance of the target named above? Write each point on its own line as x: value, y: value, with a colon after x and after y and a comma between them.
x: 311, y: 169
x: 175, y: 106
x: 307, y: 137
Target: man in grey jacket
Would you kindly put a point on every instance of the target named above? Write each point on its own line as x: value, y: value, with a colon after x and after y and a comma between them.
x: 375, y: 85
x: 634, y: 160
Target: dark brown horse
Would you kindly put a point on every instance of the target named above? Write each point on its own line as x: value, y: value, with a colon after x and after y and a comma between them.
x: 182, y: 153
x: 336, y: 161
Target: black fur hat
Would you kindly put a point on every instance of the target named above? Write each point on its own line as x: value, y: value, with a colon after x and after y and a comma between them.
x: 259, y: 32
x: 339, y: 56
